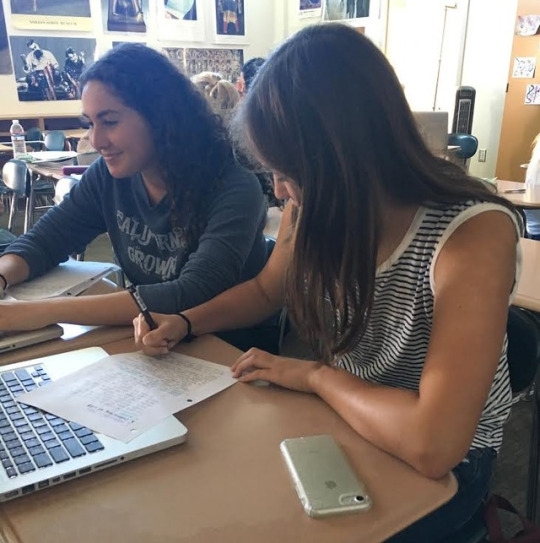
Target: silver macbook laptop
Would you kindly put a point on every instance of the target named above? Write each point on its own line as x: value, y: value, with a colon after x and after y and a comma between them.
x: 433, y: 127
x: 10, y: 341
x: 39, y: 450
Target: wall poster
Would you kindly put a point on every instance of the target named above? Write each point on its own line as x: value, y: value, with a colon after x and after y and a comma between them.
x: 524, y: 67
x: 532, y: 95
x: 5, y: 60
x: 124, y: 15
x: 180, y: 20
x: 338, y: 10
x: 48, y: 68
x: 72, y: 15
x: 230, y: 22
x: 226, y: 62
x: 309, y: 8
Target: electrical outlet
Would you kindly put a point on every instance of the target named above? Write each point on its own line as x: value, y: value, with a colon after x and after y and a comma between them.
x: 482, y: 155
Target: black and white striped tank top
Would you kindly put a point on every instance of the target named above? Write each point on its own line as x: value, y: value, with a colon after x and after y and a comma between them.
x: 393, y: 349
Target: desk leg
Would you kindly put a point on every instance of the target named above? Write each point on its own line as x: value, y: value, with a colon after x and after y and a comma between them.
x: 29, y: 211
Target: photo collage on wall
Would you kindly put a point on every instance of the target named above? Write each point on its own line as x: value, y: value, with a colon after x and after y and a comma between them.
x: 227, y: 62
x: 49, y: 67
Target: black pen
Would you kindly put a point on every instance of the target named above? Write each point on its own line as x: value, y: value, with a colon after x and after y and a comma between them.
x: 142, y: 307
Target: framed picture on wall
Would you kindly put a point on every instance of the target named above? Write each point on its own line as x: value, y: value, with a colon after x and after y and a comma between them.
x: 49, y: 67
x: 180, y: 19
x: 229, y: 21
x: 367, y: 16
x: 124, y: 15
x: 309, y: 8
x: 354, y: 12
x: 72, y: 15
x: 5, y: 60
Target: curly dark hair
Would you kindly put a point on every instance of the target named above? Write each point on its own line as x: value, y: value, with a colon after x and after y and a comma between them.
x: 193, y: 148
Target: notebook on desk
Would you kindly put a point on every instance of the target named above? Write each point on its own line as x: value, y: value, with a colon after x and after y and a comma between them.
x: 9, y: 341
x: 39, y: 450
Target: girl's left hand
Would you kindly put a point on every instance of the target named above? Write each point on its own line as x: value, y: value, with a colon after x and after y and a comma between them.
x: 286, y: 372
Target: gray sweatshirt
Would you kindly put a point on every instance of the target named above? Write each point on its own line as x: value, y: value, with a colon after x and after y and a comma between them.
x: 150, y: 251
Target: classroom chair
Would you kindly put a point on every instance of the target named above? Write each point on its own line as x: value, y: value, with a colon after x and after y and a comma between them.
x: 34, y: 139
x: 467, y: 143
x: 55, y: 140
x: 61, y: 190
x: 523, y: 329
x: 17, y: 178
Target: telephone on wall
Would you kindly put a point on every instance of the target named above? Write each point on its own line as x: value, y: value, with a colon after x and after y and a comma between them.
x: 463, y: 110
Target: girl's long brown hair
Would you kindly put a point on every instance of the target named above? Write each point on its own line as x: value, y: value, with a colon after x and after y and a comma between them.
x: 328, y: 111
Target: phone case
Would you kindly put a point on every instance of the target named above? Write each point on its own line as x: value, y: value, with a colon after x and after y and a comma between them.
x: 324, y: 480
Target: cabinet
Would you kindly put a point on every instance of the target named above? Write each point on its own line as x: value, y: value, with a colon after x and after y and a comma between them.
x: 520, y: 122
x: 53, y: 122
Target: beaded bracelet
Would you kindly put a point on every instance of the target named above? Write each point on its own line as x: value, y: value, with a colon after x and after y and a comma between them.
x: 189, y: 336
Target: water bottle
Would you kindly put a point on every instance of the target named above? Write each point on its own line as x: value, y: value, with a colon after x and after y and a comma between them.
x: 17, y: 139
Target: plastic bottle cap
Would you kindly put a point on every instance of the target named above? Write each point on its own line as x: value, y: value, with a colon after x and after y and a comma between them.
x: 15, y: 120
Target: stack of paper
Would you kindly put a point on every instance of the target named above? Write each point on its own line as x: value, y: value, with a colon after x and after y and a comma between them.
x: 50, y: 156
x: 68, y: 279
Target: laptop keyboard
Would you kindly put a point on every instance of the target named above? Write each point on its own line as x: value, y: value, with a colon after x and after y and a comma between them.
x: 30, y: 438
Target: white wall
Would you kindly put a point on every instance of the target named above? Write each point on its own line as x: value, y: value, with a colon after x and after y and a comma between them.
x: 261, y: 23
x: 475, y: 52
x: 486, y: 63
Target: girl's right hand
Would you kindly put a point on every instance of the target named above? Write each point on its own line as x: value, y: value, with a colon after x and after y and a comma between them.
x: 171, y: 329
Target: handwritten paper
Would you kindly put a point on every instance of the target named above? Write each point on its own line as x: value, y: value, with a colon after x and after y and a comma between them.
x: 527, y: 25
x: 532, y: 95
x: 124, y: 395
x: 67, y: 279
x: 524, y: 67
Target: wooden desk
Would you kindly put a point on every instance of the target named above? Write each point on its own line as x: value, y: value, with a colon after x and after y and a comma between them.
x: 228, y: 483
x: 529, y: 199
x: 528, y: 291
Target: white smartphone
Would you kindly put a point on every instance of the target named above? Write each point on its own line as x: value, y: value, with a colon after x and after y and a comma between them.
x: 325, y: 481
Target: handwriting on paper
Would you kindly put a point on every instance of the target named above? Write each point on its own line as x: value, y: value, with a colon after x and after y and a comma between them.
x: 124, y: 395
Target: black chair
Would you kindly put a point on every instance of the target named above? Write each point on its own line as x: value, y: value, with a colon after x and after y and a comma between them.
x: 523, y: 329
x: 523, y: 359
x: 34, y: 138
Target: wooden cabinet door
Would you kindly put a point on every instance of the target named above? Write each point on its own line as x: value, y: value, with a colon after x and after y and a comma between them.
x: 520, y: 122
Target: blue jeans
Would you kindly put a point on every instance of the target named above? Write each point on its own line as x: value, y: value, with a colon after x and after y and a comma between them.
x: 473, y: 475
